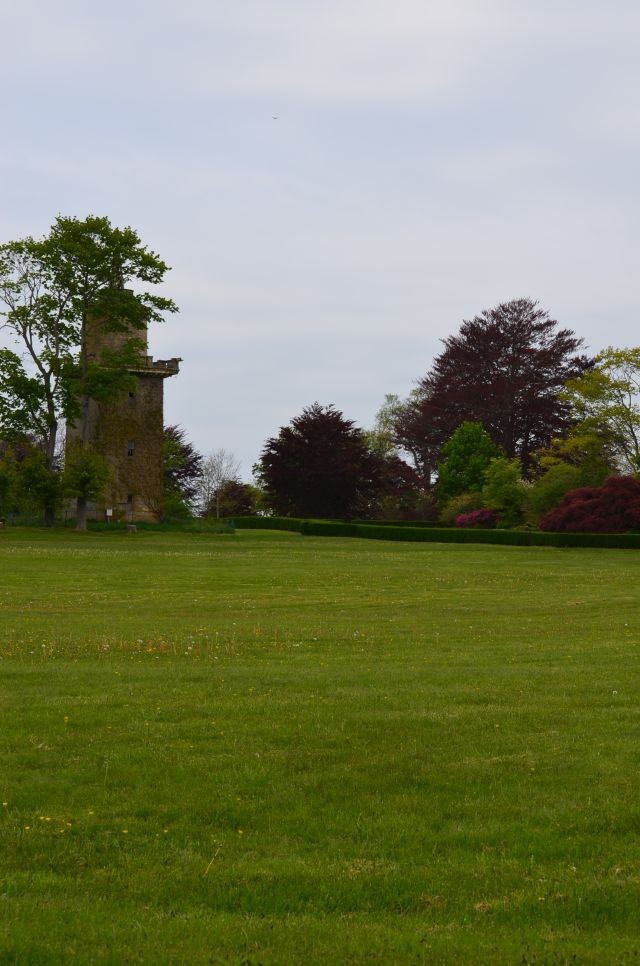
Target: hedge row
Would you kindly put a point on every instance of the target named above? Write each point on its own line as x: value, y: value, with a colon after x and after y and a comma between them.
x: 421, y: 524
x: 268, y: 523
x: 372, y: 531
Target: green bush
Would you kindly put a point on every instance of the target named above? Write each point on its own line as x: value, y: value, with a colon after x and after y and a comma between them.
x: 548, y: 491
x: 463, y: 503
x: 504, y: 491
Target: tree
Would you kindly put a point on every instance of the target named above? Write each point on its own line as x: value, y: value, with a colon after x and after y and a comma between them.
x: 606, y: 402
x: 27, y: 485
x: 506, y: 368
x: 549, y: 489
x: 219, y: 469
x: 465, y: 458
x: 55, y: 290
x: 613, y: 507
x: 319, y: 466
x: 233, y: 498
x: 504, y: 491
x: 86, y: 474
x: 182, y: 472
x: 582, y: 458
x: 380, y: 439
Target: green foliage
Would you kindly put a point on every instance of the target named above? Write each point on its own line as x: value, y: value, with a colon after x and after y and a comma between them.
x: 53, y: 289
x: 606, y: 402
x: 28, y: 488
x: 268, y: 523
x: 465, y: 458
x: 430, y: 534
x: 182, y: 471
x: 463, y: 503
x: 380, y: 439
x: 86, y: 474
x: 504, y: 491
x: 175, y: 507
x: 548, y: 490
x: 37, y: 485
x: 581, y: 459
x: 23, y: 407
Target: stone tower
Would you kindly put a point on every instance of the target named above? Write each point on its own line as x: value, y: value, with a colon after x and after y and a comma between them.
x: 128, y: 432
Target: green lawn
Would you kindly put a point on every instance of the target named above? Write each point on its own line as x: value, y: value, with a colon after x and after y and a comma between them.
x: 268, y: 748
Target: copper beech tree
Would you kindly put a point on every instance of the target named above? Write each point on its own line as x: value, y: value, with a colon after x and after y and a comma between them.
x: 506, y: 369
x: 319, y: 466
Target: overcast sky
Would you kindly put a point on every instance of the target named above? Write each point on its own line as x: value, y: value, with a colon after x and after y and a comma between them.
x: 428, y: 159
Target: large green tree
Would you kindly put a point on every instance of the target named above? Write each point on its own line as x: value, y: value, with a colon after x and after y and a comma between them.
x: 606, y: 405
x: 53, y: 289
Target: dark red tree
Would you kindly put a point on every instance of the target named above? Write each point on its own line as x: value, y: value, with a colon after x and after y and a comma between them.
x: 233, y: 499
x: 319, y: 466
x: 505, y: 369
x: 613, y: 507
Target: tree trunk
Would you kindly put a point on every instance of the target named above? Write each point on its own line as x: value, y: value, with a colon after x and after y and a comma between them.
x: 81, y: 513
x: 49, y: 516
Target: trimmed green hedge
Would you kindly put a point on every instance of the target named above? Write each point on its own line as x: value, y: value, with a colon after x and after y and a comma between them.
x: 267, y: 523
x: 423, y: 524
x: 372, y: 531
x: 196, y: 525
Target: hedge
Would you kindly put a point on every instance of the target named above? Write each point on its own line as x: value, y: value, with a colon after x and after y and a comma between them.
x: 399, y: 523
x: 267, y: 523
x: 372, y: 531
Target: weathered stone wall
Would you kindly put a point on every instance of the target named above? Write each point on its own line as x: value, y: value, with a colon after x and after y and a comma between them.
x: 128, y: 433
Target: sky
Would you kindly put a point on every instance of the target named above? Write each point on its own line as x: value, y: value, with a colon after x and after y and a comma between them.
x: 336, y: 184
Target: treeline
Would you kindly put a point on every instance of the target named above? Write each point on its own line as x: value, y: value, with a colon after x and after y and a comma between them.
x: 513, y: 426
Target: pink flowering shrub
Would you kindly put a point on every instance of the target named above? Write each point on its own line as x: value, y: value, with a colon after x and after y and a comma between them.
x: 484, y: 519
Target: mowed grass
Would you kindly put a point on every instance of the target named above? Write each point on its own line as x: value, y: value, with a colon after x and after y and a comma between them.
x: 268, y: 748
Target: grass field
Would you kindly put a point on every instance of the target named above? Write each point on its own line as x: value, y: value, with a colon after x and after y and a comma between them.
x: 267, y: 748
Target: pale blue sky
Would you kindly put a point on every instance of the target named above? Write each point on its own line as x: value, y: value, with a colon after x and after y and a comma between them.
x: 429, y: 160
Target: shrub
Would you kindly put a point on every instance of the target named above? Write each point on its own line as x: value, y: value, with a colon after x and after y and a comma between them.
x: 504, y: 491
x: 465, y: 458
x: 549, y: 489
x: 464, y: 503
x: 484, y: 518
x: 611, y: 508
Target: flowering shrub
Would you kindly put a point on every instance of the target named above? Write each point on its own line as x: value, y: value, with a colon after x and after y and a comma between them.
x: 483, y: 518
x: 613, y: 507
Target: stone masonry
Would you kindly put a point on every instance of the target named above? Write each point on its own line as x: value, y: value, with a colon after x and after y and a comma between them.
x: 128, y: 433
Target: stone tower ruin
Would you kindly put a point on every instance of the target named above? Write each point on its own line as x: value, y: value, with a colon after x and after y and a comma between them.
x: 128, y: 432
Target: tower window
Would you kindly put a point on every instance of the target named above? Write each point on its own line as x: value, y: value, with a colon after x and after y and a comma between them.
x: 131, y: 446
